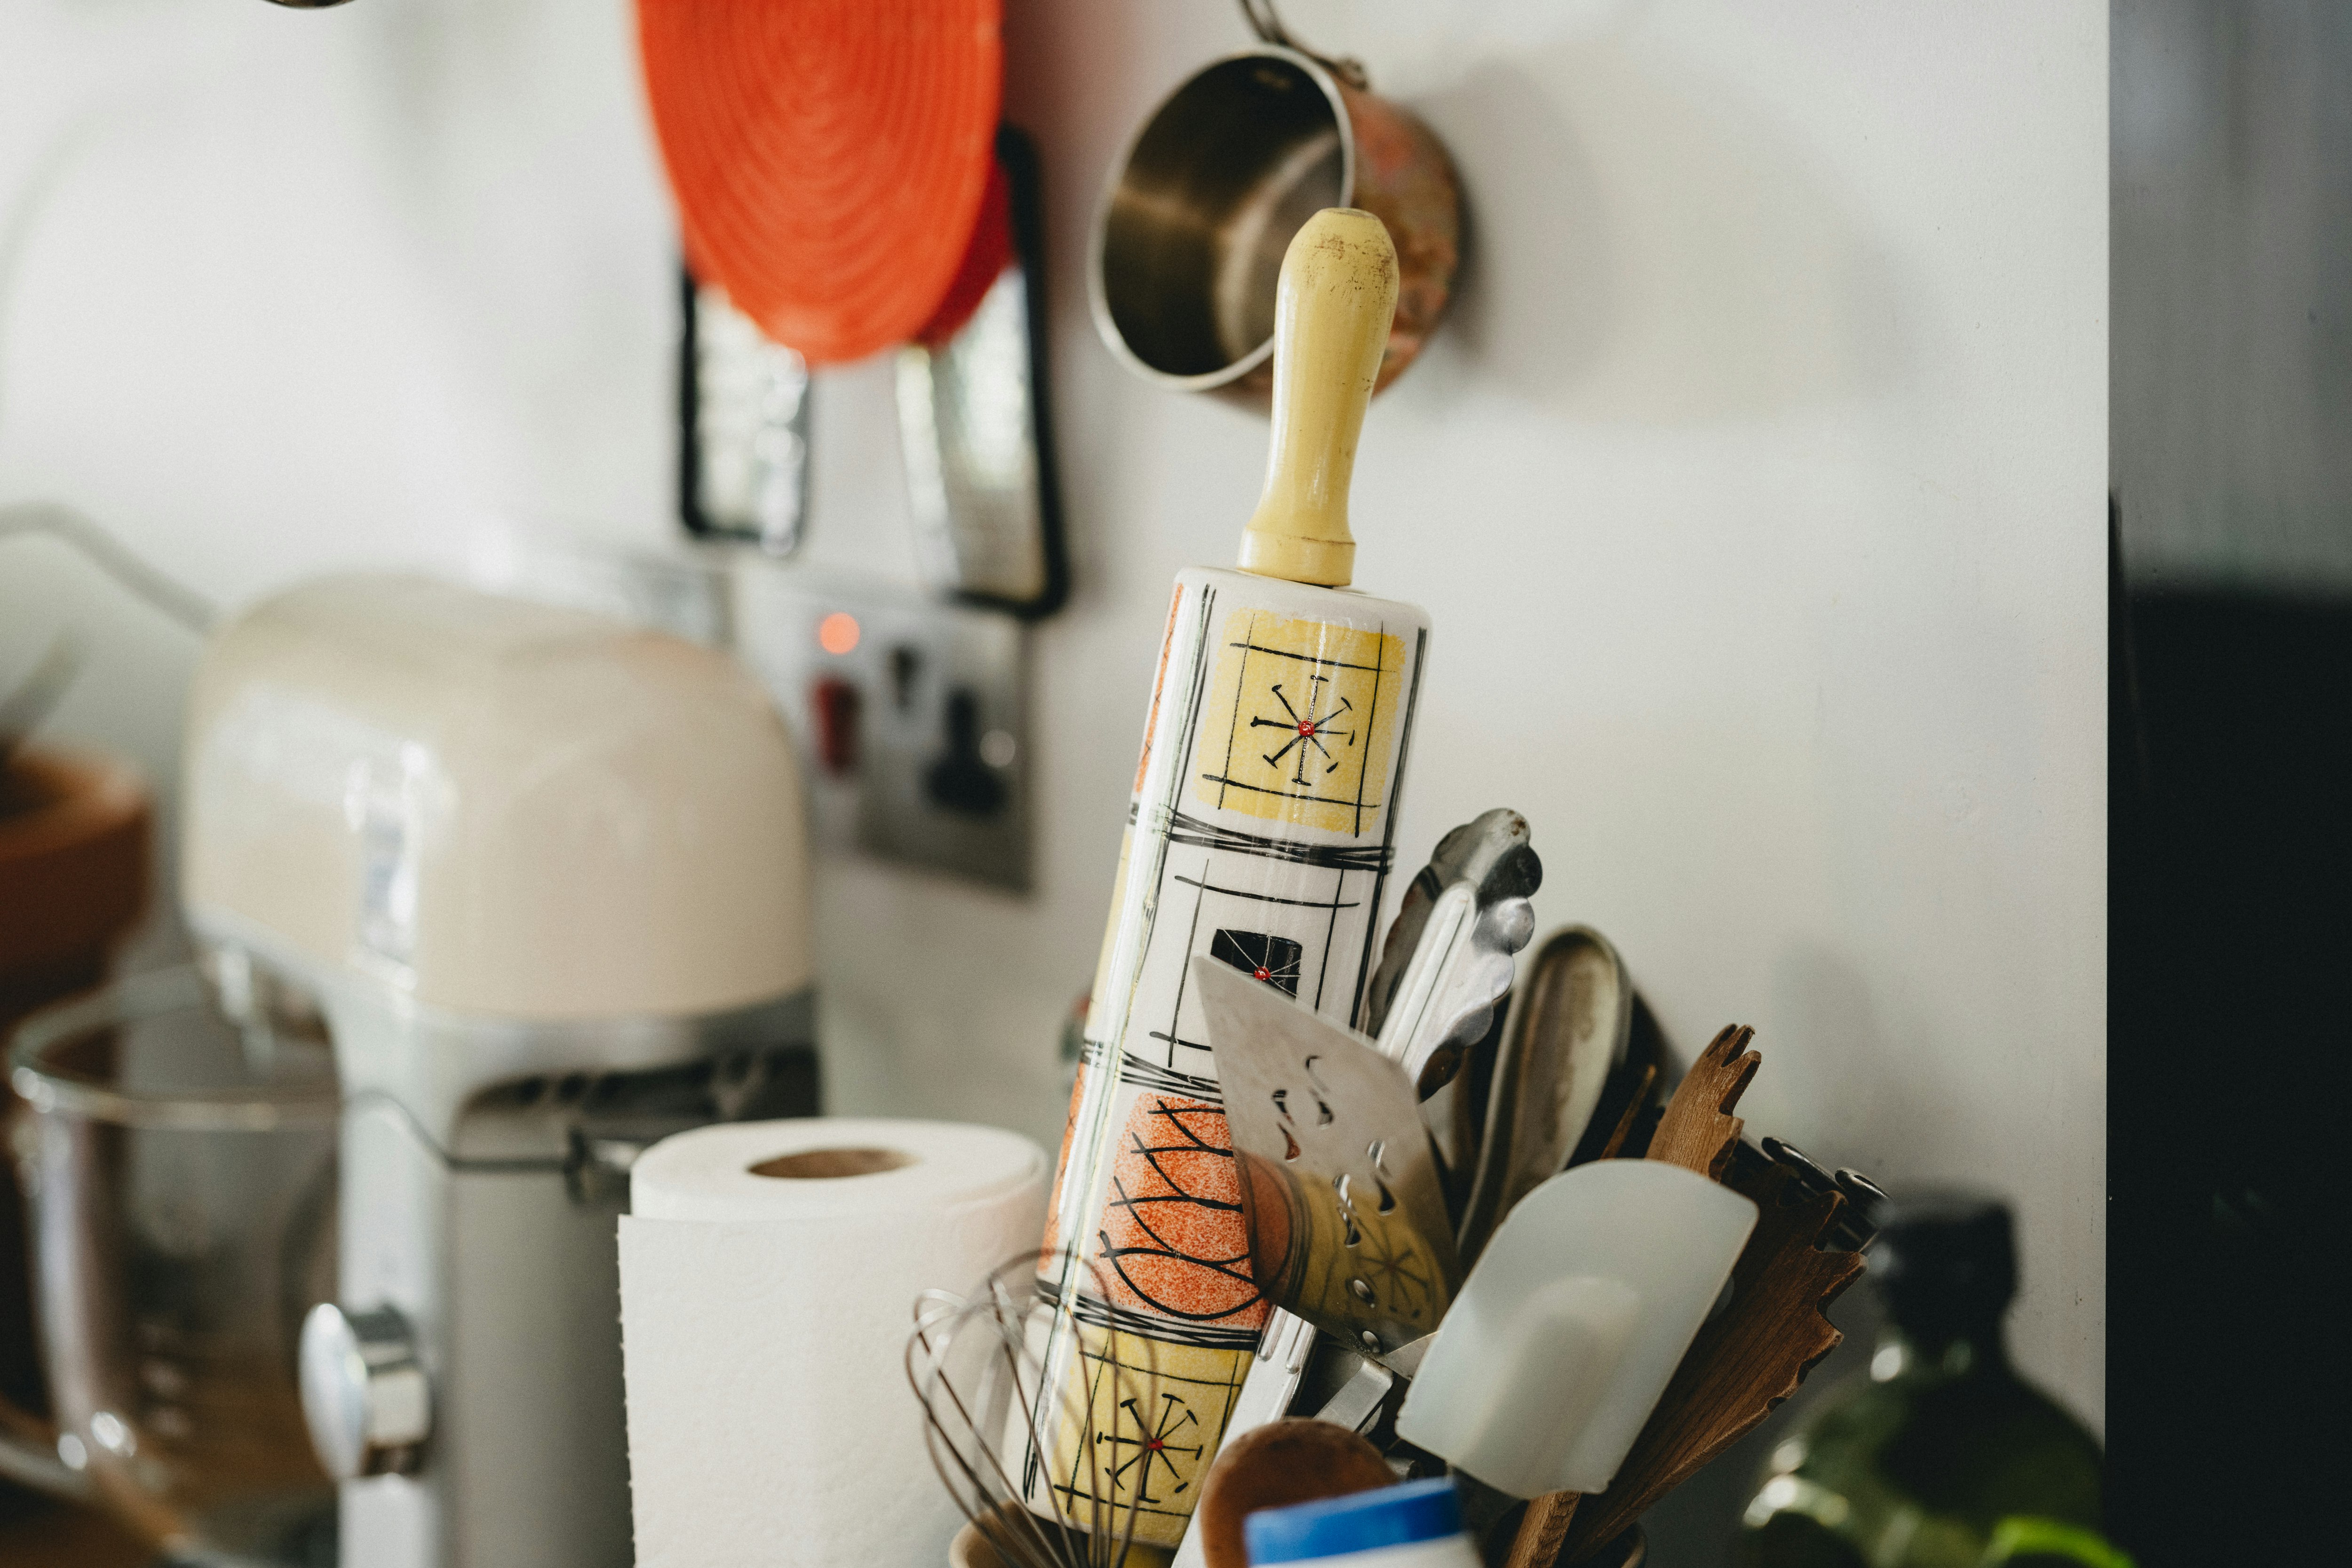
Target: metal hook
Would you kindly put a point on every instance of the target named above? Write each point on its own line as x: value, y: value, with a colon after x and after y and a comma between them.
x: 1260, y: 15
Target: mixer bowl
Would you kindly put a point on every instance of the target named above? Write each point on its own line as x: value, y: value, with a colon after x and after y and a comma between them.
x: 181, y: 1181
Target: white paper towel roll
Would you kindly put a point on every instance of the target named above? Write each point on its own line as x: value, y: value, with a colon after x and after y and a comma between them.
x: 764, y: 1320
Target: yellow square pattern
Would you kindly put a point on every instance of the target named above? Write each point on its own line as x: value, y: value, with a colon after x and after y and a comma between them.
x: 1298, y: 724
x: 1155, y: 1415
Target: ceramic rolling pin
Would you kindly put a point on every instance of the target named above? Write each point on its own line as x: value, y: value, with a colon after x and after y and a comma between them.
x: 1260, y: 835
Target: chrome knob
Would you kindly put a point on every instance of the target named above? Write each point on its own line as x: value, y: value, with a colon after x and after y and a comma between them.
x: 363, y: 1392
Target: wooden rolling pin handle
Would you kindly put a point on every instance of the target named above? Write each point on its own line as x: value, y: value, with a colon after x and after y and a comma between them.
x: 1337, y: 292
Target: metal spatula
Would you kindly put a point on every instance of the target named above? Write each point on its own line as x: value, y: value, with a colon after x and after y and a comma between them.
x: 1348, y: 1222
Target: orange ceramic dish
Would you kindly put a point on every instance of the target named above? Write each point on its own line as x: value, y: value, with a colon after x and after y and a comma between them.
x: 829, y: 157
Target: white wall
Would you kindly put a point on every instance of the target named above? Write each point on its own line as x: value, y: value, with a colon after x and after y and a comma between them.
x: 1756, y: 485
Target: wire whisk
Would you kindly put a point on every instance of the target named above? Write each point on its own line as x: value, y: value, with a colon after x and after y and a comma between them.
x: 1030, y: 1452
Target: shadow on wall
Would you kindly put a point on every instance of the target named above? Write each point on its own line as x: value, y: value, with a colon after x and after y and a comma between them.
x: 1642, y: 252
x: 1835, y: 1064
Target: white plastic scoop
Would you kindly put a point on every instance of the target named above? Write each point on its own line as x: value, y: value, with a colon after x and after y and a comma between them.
x: 1567, y: 1330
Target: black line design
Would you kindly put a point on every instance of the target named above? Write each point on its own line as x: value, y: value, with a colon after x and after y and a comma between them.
x: 1097, y: 1313
x: 1194, y: 832
x: 1151, y: 1443
x: 1167, y: 1080
x: 1392, y: 1268
x: 1233, y: 729
x: 1206, y: 885
x: 1396, y: 808
x: 1172, y: 1125
x: 1309, y: 729
x: 1372, y: 709
x: 1260, y: 954
x: 1170, y: 1036
x: 1301, y: 657
x: 1089, y: 1133
x: 1166, y: 1038
x: 1226, y: 782
x: 1331, y: 937
x: 1184, y: 979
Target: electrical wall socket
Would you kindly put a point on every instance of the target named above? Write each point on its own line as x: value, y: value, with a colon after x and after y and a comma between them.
x: 909, y: 715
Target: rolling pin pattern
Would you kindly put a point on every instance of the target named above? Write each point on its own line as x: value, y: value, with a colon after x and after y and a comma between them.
x: 1261, y: 836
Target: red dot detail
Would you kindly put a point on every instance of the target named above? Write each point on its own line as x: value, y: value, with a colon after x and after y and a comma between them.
x: 1262, y: 974
x: 1306, y: 727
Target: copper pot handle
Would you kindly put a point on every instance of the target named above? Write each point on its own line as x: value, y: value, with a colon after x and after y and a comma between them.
x: 1260, y: 15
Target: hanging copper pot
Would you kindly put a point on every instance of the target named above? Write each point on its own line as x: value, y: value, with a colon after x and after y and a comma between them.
x: 1204, y: 200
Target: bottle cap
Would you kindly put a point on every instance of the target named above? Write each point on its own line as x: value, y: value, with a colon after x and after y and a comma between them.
x: 1364, y: 1521
x: 1943, y: 1255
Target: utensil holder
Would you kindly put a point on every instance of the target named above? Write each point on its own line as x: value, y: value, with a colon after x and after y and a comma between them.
x: 970, y: 1549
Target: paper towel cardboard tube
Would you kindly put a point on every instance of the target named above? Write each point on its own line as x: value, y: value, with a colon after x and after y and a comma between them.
x: 827, y: 1165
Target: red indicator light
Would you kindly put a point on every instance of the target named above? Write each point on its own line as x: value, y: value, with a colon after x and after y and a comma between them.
x: 837, y: 633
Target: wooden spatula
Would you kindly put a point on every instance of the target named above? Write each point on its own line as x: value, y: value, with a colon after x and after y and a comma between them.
x: 1753, y: 1354
x: 1698, y: 1131
x: 1756, y: 1351
x: 1745, y: 1363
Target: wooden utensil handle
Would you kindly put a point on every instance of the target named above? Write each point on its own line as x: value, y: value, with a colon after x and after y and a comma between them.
x: 1542, y: 1530
x: 1337, y: 296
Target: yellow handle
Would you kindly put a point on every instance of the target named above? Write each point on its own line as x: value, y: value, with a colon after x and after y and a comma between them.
x: 1339, y: 289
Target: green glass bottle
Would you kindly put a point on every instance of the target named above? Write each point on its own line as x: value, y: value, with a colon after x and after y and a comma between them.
x: 1941, y: 1455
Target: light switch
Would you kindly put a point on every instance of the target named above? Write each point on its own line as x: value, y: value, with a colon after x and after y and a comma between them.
x: 911, y: 713
x: 962, y: 780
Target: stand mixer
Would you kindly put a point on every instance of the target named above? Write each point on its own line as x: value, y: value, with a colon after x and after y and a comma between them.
x: 543, y: 877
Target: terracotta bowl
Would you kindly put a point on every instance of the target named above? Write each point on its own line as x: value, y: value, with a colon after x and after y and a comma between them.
x: 73, y: 871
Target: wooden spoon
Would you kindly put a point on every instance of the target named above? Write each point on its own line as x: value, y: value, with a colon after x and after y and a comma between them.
x: 1278, y: 1464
